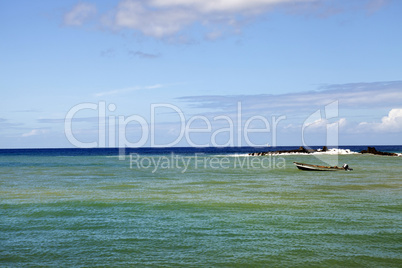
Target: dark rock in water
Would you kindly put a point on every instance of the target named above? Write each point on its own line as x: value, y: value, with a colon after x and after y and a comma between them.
x: 304, y: 150
x: 372, y: 150
x: 300, y: 150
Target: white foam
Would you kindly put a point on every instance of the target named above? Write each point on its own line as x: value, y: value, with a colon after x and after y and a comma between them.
x: 333, y: 151
x: 336, y: 151
x: 233, y: 155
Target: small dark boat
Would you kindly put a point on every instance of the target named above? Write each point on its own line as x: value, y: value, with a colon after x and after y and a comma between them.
x: 309, y: 167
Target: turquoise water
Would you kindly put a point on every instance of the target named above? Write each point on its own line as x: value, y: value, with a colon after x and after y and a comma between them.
x: 96, y: 210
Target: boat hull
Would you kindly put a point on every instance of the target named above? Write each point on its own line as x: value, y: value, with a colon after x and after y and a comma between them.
x: 308, y: 167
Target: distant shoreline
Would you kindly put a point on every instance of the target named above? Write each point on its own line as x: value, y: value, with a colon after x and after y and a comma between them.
x: 302, y: 150
x: 192, y: 150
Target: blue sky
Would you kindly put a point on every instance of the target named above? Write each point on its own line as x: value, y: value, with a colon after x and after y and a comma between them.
x: 272, y: 59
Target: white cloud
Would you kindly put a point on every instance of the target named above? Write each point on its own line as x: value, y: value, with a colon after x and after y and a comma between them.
x: 110, y: 52
x: 168, y: 18
x: 79, y: 14
x: 350, y: 96
x: 357, y: 102
x: 342, y: 123
x: 143, y: 55
x: 374, y: 5
x: 226, y: 6
x: 390, y: 123
x: 213, y: 35
x: 35, y: 132
x: 324, y: 124
x: 317, y: 124
x: 126, y: 90
x: 161, y: 18
x: 158, y: 23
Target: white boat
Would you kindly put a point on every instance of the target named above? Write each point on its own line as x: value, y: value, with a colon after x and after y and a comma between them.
x: 310, y: 167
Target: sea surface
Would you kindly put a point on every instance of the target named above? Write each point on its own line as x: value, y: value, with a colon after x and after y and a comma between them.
x: 198, y: 207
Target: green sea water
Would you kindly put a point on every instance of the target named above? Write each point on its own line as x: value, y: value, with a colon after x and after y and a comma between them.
x: 98, y: 211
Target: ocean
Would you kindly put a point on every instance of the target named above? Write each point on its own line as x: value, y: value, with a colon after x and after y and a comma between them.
x: 198, y: 207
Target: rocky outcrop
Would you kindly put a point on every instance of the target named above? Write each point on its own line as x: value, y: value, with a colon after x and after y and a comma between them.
x: 300, y: 150
x: 372, y: 150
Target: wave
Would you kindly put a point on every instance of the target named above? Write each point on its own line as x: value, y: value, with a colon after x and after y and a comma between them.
x: 333, y: 151
x: 343, y: 152
x: 336, y: 151
x: 233, y: 155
